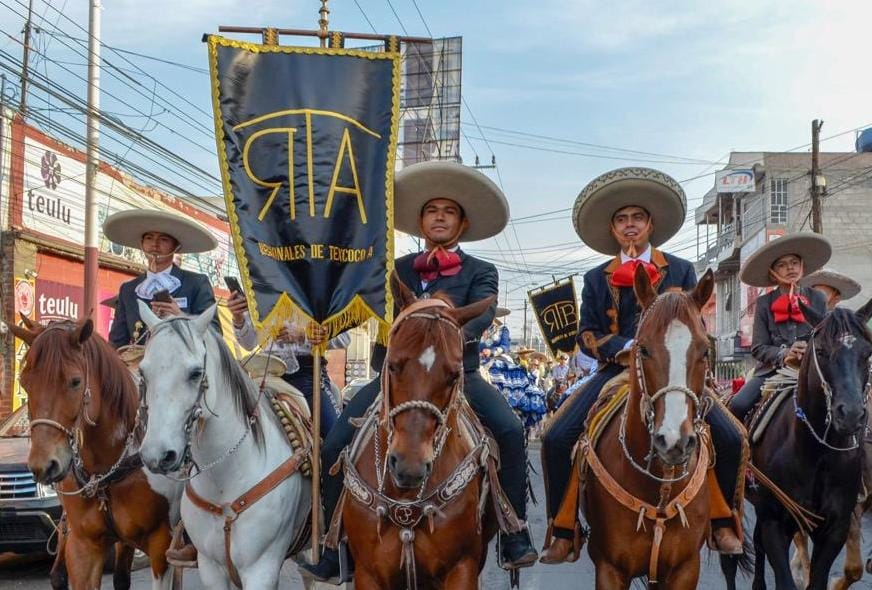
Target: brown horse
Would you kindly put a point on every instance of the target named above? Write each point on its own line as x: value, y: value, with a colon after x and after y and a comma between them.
x: 82, y: 403
x: 414, y: 503
x: 647, y: 502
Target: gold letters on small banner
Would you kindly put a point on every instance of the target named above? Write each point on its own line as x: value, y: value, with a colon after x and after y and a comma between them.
x: 556, y: 311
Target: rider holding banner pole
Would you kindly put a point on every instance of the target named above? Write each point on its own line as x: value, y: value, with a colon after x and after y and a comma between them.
x: 445, y: 203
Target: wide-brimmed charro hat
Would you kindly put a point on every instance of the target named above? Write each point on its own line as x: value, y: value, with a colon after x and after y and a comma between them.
x: 260, y: 363
x: 127, y: 228
x: 483, y: 203
x: 658, y: 193
x: 845, y: 285
x: 813, y: 249
x: 503, y: 312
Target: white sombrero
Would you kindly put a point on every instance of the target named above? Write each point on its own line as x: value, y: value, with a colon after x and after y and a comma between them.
x: 813, y: 249
x: 654, y: 191
x: 845, y: 285
x: 259, y: 363
x: 127, y: 228
x: 483, y: 203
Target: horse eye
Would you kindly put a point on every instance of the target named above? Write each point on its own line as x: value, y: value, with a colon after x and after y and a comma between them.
x: 196, y: 374
x: 75, y: 382
x: 644, y: 352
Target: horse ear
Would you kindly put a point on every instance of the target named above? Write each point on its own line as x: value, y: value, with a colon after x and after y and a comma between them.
x: 28, y: 323
x: 812, y: 317
x: 402, y: 294
x: 84, y: 331
x: 645, y: 292
x: 461, y: 315
x: 703, y: 290
x: 146, y: 314
x: 865, y: 312
x: 23, y: 333
x: 202, y: 321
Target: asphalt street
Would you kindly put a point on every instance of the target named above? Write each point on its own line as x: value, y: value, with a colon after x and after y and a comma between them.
x: 32, y: 574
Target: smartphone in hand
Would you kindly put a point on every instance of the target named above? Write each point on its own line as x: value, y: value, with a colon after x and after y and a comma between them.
x: 163, y: 296
x: 233, y: 285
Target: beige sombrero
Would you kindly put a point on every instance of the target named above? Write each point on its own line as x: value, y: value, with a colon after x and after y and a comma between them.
x: 259, y: 363
x: 845, y: 285
x: 654, y: 191
x: 502, y: 312
x: 483, y: 203
x: 127, y: 227
x: 814, y: 249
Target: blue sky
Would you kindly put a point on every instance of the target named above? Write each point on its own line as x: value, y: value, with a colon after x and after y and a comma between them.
x: 686, y: 79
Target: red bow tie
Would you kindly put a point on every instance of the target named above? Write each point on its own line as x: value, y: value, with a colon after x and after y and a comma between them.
x: 438, y: 263
x: 786, y: 308
x: 625, y: 275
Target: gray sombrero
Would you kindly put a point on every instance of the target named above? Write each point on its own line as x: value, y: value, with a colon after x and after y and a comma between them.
x: 483, y: 203
x: 127, y: 228
x: 503, y: 311
x: 654, y: 191
x: 845, y: 285
x: 814, y: 250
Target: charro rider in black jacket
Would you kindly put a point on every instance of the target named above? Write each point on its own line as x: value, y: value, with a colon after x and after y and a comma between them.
x: 780, y: 329
x: 160, y: 235
x: 445, y: 203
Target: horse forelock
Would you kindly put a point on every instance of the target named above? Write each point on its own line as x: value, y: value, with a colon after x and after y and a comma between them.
x: 242, y: 389
x: 52, y: 353
x: 668, y: 307
x: 836, y: 325
x: 418, y: 333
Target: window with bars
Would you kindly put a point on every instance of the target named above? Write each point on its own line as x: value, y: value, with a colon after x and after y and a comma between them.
x: 778, y: 201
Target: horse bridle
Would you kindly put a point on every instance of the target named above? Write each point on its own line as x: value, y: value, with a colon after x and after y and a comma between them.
x: 646, y: 408
x: 74, y: 434
x: 415, y: 310
x: 188, y: 464
x: 828, y: 395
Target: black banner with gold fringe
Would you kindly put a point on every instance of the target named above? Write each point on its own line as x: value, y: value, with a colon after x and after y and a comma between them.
x: 556, y: 312
x: 306, y: 141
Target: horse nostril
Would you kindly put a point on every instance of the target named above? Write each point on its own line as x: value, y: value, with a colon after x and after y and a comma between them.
x: 52, y: 470
x: 168, y: 460
x: 660, y: 441
x: 392, y: 462
x: 690, y: 443
x: 428, y: 468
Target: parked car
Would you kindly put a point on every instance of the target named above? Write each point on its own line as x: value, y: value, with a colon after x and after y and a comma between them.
x: 29, y: 511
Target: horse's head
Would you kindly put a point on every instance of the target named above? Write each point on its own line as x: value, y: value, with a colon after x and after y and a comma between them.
x: 670, y: 361
x: 838, y: 360
x: 421, y: 380
x: 173, y: 383
x: 59, y: 393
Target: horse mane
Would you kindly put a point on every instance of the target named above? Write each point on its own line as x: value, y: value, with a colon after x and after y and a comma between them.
x: 666, y: 308
x: 836, y: 323
x: 52, y: 350
x: 245, y: 395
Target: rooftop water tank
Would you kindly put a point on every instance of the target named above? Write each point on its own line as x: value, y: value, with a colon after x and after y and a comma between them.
x: 864, y: 140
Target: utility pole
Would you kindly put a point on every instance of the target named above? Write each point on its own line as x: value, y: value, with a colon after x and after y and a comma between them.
x: 816, y: 217
x: 525, y: 323
x: 25, y: 60
x: 93, y: 157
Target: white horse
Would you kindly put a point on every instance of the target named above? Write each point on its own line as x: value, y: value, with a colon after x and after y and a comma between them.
x: 204, y: 410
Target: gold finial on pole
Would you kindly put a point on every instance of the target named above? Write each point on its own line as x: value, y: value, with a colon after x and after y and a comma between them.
x: 323, y: 22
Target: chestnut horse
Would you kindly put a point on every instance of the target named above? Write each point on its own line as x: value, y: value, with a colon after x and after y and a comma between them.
x: 645, y: 499
x: 414, y: 502
x: 82, y: 402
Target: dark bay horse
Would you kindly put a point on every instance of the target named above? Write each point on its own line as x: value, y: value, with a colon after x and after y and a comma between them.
x: 414, y: 505
x: 82, y: 402
x: 646, y: 497
x: 812, y: 450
